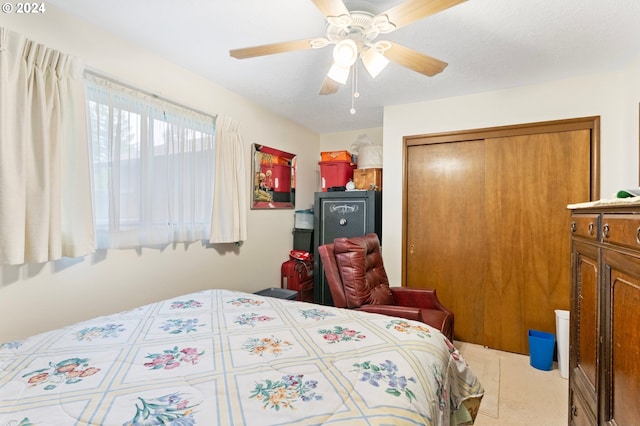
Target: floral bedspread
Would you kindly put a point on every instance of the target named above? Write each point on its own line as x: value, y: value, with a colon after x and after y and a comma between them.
x: 221, y: 357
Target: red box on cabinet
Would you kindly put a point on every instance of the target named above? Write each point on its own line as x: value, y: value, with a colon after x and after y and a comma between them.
x: 335, y: 173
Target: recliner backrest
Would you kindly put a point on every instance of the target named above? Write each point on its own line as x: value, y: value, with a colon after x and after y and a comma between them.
x: 327, y: 256
x: 364, y: 279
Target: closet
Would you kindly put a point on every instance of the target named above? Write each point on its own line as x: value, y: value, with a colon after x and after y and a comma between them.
x: 485, y: 223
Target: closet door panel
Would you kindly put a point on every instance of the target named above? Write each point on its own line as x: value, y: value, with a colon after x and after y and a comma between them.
x: 446, y: 229
x: 527, y: 220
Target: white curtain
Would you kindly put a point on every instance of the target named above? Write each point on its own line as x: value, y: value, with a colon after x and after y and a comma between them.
x: 231, y: 193
x: 153, y: 167
x: 45, y: 195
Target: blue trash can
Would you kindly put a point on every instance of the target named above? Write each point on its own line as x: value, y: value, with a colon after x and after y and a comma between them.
x: 541, y: 346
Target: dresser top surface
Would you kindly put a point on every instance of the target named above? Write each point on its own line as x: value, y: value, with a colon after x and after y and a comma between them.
x: 623, y: 205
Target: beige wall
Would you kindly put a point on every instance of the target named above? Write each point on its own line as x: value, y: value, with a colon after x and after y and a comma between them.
x: 343, y: 140
x: 35, y: 298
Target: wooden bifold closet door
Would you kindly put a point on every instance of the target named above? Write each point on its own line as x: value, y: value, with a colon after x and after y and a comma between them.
x: 486, y: 224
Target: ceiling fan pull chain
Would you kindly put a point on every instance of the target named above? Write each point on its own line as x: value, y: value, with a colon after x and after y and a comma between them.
x: 354, y: 89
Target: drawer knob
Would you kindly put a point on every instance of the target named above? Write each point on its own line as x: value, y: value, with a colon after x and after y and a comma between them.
x: 638, y: 235
x: 605, y: 230
x: 591, y: 228
x: 573, y: 227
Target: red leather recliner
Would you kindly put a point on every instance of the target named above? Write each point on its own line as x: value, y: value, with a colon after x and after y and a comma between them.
x: 357, y: 280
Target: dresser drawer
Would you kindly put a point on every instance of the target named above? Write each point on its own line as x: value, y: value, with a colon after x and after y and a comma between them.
x: 585, y: 225
x: 621, y: 229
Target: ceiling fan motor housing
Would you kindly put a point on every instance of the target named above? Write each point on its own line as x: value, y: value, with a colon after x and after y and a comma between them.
x: 360, y: 28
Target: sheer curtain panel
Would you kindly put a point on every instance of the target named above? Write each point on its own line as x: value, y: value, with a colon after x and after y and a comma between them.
x: 229, y: 218
x: 152, y: 167
x: 45, y: 193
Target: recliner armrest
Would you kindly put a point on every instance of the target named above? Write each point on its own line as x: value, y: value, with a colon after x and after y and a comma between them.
x: 417, y: 297
x: 405, y: 312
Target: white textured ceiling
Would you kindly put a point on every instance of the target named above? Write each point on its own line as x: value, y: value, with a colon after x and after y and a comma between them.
x: 488, y: 44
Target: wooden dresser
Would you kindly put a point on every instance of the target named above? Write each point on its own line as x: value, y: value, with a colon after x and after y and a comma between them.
x: 604, y: 359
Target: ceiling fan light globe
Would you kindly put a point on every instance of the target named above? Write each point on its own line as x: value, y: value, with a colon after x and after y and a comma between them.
x: 338, y: 73
x: 374, y: 62
x: 345, y: 53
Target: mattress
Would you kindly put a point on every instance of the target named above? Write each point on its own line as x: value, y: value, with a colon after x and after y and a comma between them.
x: 222, y: 357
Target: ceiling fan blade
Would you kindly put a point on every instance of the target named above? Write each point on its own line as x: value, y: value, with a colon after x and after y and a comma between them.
x: 414, y: 60
x: 329, y: 86
x: 271, y: 49
x: 413, y: 10
x: 331, y: 8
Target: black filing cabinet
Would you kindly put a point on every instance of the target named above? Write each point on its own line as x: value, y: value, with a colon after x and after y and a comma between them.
x: 342, y: 214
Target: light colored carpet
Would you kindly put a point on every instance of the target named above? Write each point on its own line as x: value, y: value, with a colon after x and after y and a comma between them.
x: 486, y: 365
x: 524, y: 396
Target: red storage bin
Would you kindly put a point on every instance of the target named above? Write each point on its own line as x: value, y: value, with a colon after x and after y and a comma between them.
x: 335, y: 173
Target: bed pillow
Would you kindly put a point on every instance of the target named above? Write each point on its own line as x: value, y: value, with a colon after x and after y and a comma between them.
x: 362, y: 272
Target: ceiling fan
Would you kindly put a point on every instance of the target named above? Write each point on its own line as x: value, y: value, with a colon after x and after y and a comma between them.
x: 354, y: 35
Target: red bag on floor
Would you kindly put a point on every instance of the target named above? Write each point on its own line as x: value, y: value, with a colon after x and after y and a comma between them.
x: 297, y: 275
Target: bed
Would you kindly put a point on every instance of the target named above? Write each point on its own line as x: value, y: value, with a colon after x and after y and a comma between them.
x: 221, y: 357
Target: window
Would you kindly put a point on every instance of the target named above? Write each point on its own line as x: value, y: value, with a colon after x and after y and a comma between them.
x: 152, y: 167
